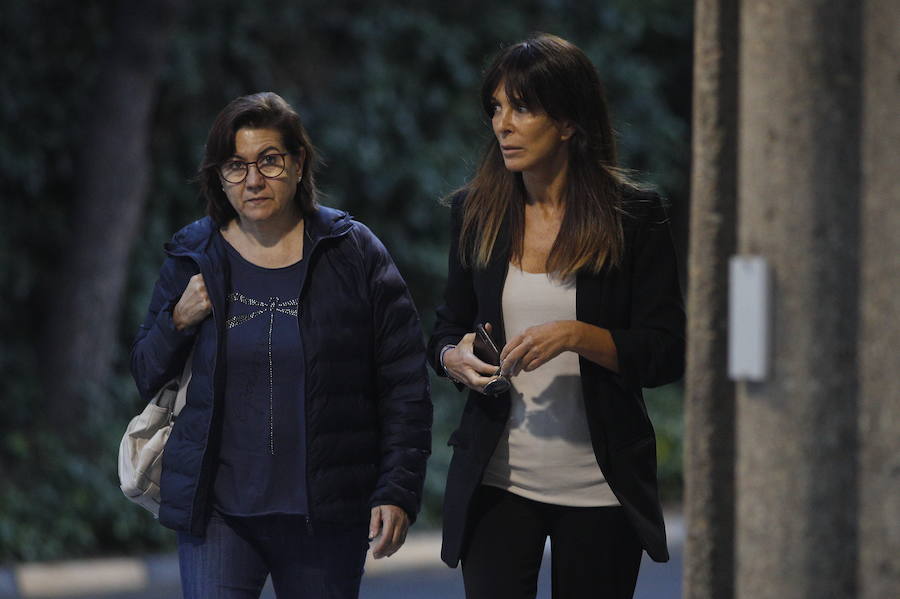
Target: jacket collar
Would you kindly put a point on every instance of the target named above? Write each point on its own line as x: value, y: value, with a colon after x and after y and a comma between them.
x: 198, y: 241
x: 194, y: 239
x: 326, y: 223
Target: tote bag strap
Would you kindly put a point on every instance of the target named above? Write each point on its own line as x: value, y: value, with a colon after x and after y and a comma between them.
x: 181, y: 396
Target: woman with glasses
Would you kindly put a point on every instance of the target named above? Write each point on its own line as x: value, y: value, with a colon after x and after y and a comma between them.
x: 571, y: 269
x: 307, y: 422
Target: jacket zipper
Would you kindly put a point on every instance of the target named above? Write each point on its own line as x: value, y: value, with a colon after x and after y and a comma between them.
x: 306, y: 399
x: 196, y: 262
x: 212, y: 411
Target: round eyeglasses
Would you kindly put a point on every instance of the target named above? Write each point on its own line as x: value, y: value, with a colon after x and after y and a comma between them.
x: 269, y: 166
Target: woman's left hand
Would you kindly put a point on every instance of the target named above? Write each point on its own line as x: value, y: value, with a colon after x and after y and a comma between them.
x: 536, y: 346
x: 387, y: 530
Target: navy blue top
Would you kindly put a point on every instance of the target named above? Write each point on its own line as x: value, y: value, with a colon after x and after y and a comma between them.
x: 262, y: 461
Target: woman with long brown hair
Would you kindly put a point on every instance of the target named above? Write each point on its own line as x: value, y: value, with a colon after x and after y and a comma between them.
x: 571, y: 268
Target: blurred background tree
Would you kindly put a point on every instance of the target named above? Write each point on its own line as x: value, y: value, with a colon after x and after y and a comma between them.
x: 106, y: 102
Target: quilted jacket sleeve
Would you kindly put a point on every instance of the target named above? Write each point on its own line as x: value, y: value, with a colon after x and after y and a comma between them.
x: 159, y: 349
x: 404, y: 398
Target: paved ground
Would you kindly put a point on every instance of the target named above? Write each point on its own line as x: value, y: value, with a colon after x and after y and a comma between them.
x: 415, y: 572
x: 656, y: 581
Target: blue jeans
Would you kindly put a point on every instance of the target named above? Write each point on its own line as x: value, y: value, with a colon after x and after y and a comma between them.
x: 306, y: 561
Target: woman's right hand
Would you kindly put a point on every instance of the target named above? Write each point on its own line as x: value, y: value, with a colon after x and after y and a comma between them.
x: 462, y: 365
x: 194, y: 304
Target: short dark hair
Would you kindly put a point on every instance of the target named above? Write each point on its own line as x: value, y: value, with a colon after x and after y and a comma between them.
x: 265, y: 110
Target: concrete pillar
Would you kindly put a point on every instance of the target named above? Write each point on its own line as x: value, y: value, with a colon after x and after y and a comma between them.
x: 709, y: 397
x: 798, y: 193
x: 879, y: 339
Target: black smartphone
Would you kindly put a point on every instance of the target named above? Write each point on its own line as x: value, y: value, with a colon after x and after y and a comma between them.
x: 484, y: 347
x: 486, y: 350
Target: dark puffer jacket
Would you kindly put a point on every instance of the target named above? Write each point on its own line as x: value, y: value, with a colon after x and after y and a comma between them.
x: 368, y: 406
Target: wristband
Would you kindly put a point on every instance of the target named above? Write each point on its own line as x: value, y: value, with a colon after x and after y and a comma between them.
x: 444, y: 350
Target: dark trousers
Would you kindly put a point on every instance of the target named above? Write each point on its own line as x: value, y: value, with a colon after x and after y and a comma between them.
x: 237, y: 554
x: 595, y: 552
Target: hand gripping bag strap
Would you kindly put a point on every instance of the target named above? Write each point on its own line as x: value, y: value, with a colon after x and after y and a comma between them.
x: 141, y: 449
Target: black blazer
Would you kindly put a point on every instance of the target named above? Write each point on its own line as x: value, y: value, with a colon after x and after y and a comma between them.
x: 641, y: 304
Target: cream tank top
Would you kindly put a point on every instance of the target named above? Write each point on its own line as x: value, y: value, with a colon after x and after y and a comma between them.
x: 545, y: 451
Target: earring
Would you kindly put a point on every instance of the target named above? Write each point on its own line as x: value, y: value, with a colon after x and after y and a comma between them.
x: 300, y: 177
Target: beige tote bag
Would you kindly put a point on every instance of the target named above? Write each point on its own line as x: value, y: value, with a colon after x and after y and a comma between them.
x: 141, y: 449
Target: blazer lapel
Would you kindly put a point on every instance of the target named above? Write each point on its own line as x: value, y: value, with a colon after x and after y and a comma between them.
x: 490, y: 281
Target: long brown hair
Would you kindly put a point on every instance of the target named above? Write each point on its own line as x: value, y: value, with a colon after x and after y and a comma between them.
x: 551, y: 74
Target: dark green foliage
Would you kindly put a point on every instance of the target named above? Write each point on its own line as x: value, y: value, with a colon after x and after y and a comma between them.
x: 664, y: 407
x: 389, y: 93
